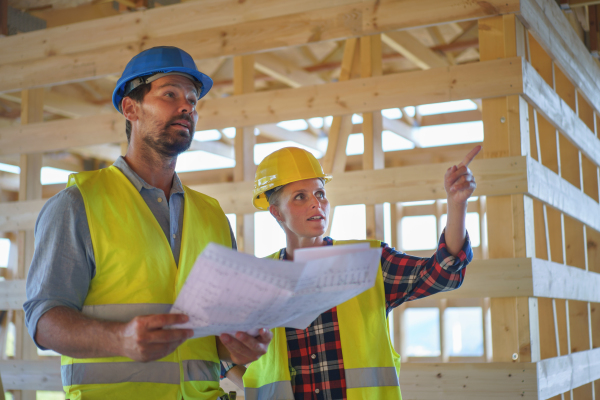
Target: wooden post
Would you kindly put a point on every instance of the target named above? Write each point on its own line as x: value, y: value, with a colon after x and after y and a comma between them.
x: 506, y: 133
x: 30, y: 188
x: 373, y: 158
x: 334, y: 160
x: 244, y: 170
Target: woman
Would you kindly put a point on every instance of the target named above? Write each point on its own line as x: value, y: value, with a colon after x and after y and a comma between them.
x: 346, y: 353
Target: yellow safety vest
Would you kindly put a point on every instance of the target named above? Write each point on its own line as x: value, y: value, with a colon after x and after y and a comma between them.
x: 371, y: 364
x: 136, y: 275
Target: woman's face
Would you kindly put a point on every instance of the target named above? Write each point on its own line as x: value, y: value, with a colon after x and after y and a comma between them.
x: 303, y: 208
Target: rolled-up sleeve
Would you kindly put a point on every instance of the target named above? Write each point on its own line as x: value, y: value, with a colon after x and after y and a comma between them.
x: 408, y: 278
x: 63, y: 262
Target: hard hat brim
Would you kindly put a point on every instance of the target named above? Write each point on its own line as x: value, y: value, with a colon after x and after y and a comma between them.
x: 260, y: 199
x: 204, y: 80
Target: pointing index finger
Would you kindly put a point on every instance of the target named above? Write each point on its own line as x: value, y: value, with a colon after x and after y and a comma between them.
x: 469, y: 157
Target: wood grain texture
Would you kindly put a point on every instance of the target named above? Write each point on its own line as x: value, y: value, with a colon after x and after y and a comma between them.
x: 65, y: 54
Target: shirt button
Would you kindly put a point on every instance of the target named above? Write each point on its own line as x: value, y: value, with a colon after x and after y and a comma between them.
x: 159, y: 199
x: 313, y: 356
x: 317, y: 390
x: 174, y: 236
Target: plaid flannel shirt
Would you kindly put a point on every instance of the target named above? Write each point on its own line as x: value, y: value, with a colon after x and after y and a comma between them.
x: 315, y: 354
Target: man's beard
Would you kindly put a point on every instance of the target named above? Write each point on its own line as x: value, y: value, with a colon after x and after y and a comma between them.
x: 168, y: 145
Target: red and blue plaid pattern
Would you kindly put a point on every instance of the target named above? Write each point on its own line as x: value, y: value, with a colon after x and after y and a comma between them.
x: 315, y: 354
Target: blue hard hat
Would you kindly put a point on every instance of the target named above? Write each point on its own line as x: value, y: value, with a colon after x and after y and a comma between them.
x: 163, y: 60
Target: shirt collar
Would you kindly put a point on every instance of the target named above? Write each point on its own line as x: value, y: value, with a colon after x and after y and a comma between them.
x: 139, y: 183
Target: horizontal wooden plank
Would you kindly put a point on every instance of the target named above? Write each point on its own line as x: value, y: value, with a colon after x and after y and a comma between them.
x: 502, y: 277
x: 66, y: 54
x: 526, y: 277
x: 552, y: 30
x: 399, y: 184
x: 364, y: 95
x: 561, y: 374
x: 339, y: 98
x: 459, y: 381
x: 31, y: 375
x: 12, y: 294
x: 62, y: 134
x: 19, y: 215
x: 560, y: 281
x: 451, y: 118
x: 548, y: 187
x: 548, y: 103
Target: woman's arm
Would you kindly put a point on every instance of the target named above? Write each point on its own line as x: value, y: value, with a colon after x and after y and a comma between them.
x: 459, y: 184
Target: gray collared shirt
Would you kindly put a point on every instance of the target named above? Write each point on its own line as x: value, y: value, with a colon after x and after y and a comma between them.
x: 63, y: 263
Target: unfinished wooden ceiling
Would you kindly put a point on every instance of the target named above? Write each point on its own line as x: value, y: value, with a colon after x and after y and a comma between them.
x: 310, y: 64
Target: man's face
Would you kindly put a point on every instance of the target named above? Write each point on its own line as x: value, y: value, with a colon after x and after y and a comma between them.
x: 167, y: 115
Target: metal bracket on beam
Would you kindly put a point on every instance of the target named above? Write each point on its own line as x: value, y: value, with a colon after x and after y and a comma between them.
x: 20, y: 21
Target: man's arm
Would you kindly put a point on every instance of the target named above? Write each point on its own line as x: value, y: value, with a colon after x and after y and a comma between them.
x: 144, y: 338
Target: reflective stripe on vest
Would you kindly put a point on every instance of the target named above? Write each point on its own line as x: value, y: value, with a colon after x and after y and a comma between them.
x: 371, y: 377
x: 154, y: 372
x: 118, y: 372
x: 124, y: 312
x: 273, y: 391
x: 201, y: 370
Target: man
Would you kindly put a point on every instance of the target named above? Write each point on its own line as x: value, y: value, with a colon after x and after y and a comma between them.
x: 115, y: 247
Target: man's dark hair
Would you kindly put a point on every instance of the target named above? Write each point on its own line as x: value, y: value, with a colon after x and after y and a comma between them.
x: 137, y: 95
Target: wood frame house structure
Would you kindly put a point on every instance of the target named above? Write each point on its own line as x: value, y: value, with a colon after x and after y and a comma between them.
x: 528, y: 64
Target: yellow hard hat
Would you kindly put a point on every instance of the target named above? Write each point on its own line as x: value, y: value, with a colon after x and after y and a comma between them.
x: 281, y: 167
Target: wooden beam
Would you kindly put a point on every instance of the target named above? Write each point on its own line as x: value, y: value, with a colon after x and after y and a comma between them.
x: 556, y: 111
x: 285, y: 71
x: 244, y: 170
x: 410, y: 47
x: 373, y: 158
x: 30, y: 188
x: 64, y: 106
x: 64, y: 54
x: 562, y: 374
x: 20, y: 215
x: 31, y: 375
x: 62, y: 134
x: 334, y: 159
x: 277, y: 133
x: 359, y: 95
x: 509, y: 175
x: 454, y: 381
x: 548, y: 187
x: 550, y: 27
x: 400, y: 184
x: 400, y: 128
x: 12, y: 294
x: 365, y: 95
x: 451, y: 118
x: 410, y: 183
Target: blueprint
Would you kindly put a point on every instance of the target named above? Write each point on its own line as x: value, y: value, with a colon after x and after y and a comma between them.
x: 227, y: 291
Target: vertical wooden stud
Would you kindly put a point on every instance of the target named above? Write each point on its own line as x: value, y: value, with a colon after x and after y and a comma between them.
x: 243, y: 81
x: 30, y: 188
x: 507, y: 133
x: 334, y: 160
x: 373, y: 158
